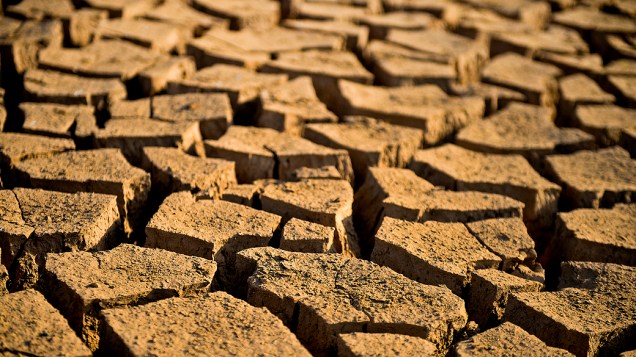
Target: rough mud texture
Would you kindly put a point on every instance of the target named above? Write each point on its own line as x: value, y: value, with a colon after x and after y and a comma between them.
x: 81, y: 284
x: 522, y: 129
x: 333, y: 294
x: 595, y: 179
x: 506, y: 339
x: 563, y: 319
x: 101, y: 171
x: 400, y: 193
x: 258, y: 152
x: 30, y: 326
x: 16, y: 147
x: 457, y: 253
x: 534, y: 79
x: 304, y: 236
x: 422, y: 107
x: 210, y: 229
x: 61, y: 88
x: 511, y: 175
x: 241, y: 84
x: 326, y: 202
x: 606, y: 122
x: 488, y: 295
x: 131, y: 135
x: 605, y: 235
x: 55, y: 120
x: 465, y: 56
x: 215, y: 323
x: 41, y: 222
x: 368, y: 142
x: 383, y: 344
x: 172, y: 170
x: 291, y: 106
x: 507, y: 238
x: 481, y: 150
x: 211, y: 110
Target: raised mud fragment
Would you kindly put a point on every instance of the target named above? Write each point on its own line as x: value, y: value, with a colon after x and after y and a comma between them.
x: 326, y: 202
x: 211, y: 110
x: 523, y: 129
x: 488, y: 295
x: 424, y: 107
x: 585, y: 316
x: 447, y: 10
x: 624, y: 88
x: 277, y: 41
x: 322, y: 173
x: 510, y: 175
x: 14, y: 230
x: 593, y: 179
x: 182, y: 14
x: 259, y: 151
x: 606, y: 122
x: 61, y: 222
x: 214, y: 324
x: 61, y: 88
x: 83, y: 24
x: 355, y: 36
x: 383, y: 344
x: 30, y: 326
x: 242, y: 85
x: 465, y: 55
x: 333, y: 295
x: 139, y: 108
x: 243, y: 14
x: 482, y: 24
x: 40, y: 10
x: 246, y: 147
x: 401, y: 194
x: 507, y: 338
x: 209, y: 50
x: 21, y: 43
x: 81, y: 284
x: 587, y: 19
x: 370, y: 143
x: 121, y: 8
x: 495, y: 97
x: 595, y: 276
x: 101, y: 59
x: 157, y: 36
x: 598, y: 235
x: 325, y: 69
x: 16, y: 147
x: 290, y: 106
x: 432, y: 253
x: 590, y: 64
x: 131, y: 135
x: 211, y: 229
x: 579, y: 90
x: 535, y: 14
x: 534, y: 79
x: 506, y: 237
x: 172, y: 170
x: 381, y: 24
x: 554, y: 39
x: 155, y: 78
x: 102, y: 171
x: 245, y: 194
x: 307, y: 237
x: 54, y: 119
x: 398, y: 71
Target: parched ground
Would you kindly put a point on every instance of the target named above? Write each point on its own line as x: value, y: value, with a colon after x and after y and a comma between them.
x: 317, y: 177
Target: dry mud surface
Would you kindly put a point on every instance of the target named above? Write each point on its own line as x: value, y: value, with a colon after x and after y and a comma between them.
x: 317, y: 177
